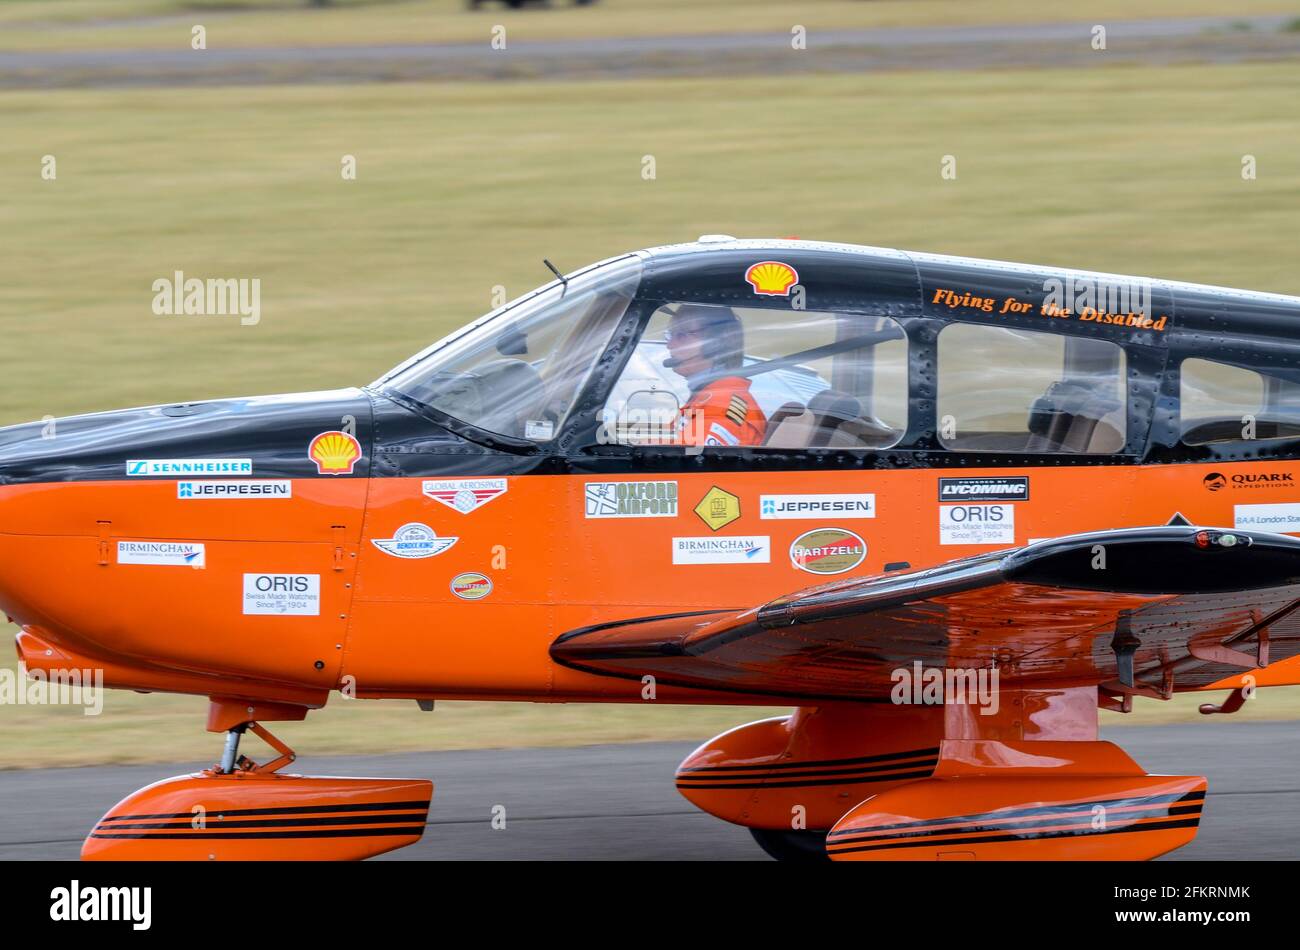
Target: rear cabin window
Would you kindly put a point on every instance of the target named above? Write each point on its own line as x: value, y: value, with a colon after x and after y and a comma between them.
x: 715, y: 377
x: 1223, y: 403
x: 1005, y: 390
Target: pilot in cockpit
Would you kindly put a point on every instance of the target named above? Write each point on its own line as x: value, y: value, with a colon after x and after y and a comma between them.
x: 706, y: 346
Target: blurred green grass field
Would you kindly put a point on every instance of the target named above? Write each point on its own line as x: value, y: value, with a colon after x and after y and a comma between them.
x: 464, y: 187
x: 138, y: 24
x: 136, y: 728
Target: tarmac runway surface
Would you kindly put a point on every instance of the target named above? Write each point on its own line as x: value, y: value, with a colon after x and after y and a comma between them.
x: 1070, y: 45
x: 617, y: 802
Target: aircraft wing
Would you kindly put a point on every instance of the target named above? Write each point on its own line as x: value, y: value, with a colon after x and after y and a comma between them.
x: 1189, y: 606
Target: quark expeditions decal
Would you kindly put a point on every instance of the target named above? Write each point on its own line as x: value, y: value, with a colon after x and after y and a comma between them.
x: 1251, y: 481
x: 771, y: 278
x: 827, y: 551
x: 630, y: 499
x: 163, y: 553
x: 334, y: 452
x: 193, y: 468
x: 282, y: 594
x: 464, y: 494
x: 471, y: 586
x: 413, y: 540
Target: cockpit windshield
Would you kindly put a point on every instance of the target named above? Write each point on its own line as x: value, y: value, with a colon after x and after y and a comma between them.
x: 517, y: 371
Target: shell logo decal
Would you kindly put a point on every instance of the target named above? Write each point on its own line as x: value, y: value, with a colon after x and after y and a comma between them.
x: 334, y: 452
x: 772, y: 278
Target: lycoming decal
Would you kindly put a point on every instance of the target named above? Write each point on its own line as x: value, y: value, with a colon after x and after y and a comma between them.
x: 413, y: 540
x: 464, y: 494
x: 984, y: 489
x: 166, y: 553
x: 192, y: 467
x: 278, y: 488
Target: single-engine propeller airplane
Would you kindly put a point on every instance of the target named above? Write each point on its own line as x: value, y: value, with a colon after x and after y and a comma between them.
x: 945, y: 508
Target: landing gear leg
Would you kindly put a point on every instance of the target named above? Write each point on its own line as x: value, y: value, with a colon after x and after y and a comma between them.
x: 231, y: 751
x: 231, y: 760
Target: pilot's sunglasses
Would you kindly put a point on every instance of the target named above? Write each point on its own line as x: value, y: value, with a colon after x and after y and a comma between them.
x: 682, y: 332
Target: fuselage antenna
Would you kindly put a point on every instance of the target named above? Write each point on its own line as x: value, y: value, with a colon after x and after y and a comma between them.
x: 564, y: 280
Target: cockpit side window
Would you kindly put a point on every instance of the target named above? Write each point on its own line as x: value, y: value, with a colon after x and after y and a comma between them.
x: 1224, y: 403
x: 1023, y: 391
x: 519, y: 371
x: 714, y: 377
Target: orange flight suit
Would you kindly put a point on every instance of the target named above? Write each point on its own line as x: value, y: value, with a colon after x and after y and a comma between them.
x: 721, y: 413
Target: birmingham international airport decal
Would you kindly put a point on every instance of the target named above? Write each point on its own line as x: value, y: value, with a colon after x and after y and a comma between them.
x: 163, y: 553
x: 725, y: 550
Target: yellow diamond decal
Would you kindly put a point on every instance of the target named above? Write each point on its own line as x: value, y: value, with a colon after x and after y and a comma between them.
x: 718, y: 508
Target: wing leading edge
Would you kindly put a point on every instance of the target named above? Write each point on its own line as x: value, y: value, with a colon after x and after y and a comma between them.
x: 1186, y: 605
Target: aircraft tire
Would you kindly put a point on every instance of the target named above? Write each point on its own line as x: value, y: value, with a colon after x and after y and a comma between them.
x: 795, y: 847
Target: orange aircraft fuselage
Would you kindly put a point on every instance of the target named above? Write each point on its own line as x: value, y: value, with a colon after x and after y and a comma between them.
x: 265, y: 552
